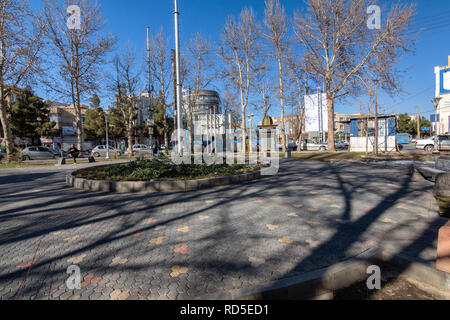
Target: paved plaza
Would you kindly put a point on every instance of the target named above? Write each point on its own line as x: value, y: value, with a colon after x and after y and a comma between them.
x: 192, y: 245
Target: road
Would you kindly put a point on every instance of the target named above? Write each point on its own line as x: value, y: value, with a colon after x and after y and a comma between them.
x: 212, y: 242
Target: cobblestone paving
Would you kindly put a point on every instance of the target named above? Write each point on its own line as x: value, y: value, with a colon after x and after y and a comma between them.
x: 188, y: 245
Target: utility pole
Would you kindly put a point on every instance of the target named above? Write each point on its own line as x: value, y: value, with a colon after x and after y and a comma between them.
x: 178, y: 92
x: 376, y: 116
x: 150, y: 89
x: 175, y: 99
x: 418, y: 123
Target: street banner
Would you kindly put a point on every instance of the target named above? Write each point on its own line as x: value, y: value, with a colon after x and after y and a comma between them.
x: 312, y: 113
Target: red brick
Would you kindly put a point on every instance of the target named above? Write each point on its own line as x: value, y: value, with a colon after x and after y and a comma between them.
x: 443, y: 252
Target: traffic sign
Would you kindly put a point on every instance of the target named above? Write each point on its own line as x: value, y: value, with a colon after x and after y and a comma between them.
x: 426, y: 129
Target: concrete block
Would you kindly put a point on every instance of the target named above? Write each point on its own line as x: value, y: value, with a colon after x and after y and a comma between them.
x: 124, y: 186
x: 171, y: 186
x: 234, y: 180
x: 79, y: 183
x: 442, y: 186
x: 443, y: 163
x: 139, y: 186
x: 69, y: 180
x: 204, y: 183
x: 191, y: 185
x: 443, y: 252
x: 152, y: 186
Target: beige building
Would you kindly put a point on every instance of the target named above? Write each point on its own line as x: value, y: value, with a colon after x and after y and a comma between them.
x: 66, y: 121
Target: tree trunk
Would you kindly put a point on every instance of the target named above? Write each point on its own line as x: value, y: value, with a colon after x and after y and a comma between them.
x: 283, y: 127
x: 166, y: 137
x: 244, y: 134
x: 5, y: 125
x: 130, y: 141
x: 191, y: 136
x: 330, y: 107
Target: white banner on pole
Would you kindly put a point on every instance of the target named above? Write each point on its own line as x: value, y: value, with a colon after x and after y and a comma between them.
x: 312, y: 103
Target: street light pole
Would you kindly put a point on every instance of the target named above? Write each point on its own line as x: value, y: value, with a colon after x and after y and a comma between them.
x: 107, y: 135
x: 376, y: 116
x: 436, y: 105
x: 250, y: 119
x: 177, y: 64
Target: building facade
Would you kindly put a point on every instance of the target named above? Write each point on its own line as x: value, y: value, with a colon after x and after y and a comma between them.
x: 362, y: 133
x: 209, y: 119
x: 442, y: 124
x: 66, y: 122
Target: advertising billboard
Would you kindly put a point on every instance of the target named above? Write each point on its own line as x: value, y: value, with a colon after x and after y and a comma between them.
x: 69, y: 131
x: 313, y: 121
x: 444, y: 81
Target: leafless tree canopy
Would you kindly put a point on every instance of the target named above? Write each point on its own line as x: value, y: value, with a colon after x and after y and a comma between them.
x: 340, y: 49
x: 240, y: 51
x: 20, y: 47
x: 277, y: 36
x: 125, y: 83
x: 77, y: 55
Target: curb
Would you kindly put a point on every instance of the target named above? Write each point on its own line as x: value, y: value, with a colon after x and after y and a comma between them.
x: 158, y: 186
x: 321, y: 283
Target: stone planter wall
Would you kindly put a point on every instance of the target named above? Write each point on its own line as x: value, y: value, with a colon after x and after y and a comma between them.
x: 158, y: 186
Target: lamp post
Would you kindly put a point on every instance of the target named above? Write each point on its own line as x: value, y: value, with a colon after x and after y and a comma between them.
x: 436, y: 105
x: 107, y: 136
x: 250, y: 119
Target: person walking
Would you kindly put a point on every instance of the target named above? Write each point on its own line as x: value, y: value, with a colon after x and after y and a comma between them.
x: 74, y: 153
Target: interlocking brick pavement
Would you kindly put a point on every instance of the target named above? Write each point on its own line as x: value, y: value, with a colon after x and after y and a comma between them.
x: 187, y: 245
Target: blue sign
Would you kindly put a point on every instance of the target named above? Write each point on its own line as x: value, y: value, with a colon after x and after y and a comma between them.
x: 444, y: 86
x: 434, y: 118
x: 426, y: 129
x: 69, y: 131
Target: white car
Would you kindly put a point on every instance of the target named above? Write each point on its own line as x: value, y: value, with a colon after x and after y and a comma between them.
x: 100, y: 151
x: 308, y: 145
x: 428, y: 144
x: 142, y: 148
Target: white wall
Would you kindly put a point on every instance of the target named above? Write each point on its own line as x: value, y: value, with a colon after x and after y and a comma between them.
x: 358, y: 144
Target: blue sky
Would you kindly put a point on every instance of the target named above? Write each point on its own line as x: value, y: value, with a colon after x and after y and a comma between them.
x: 129, y: 19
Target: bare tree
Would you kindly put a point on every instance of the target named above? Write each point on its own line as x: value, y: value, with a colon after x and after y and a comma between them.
x: 232, y: 106
x: 77, y: 54
x: 298, y: 82
x: 125, y: 81
x: 340, y: 47
x: 200, y: 62
x: 20, y: 46
x: 241, y: 54
x: 277, y: 36
x: 161, y: 72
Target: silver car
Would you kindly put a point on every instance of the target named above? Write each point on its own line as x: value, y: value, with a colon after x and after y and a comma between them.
x: 100, y: 151
x: 142, y: 149
x: 37, y: 153
x: 308, y: 145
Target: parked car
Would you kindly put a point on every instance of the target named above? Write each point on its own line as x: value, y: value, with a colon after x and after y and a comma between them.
x: 37, y: 153
x: 142, y: 148
x: 309, y: 145
x: 428, y: 144
x: 293, y: 146
x: 57, y: 153
x: 341, y: 145
x: 100, y: 151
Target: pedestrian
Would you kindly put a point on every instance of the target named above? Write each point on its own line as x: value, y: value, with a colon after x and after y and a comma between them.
x: 74, y: 153
x: 155, y: 150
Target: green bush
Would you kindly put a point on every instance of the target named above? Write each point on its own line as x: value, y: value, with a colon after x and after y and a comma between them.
x: 162, y: 169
